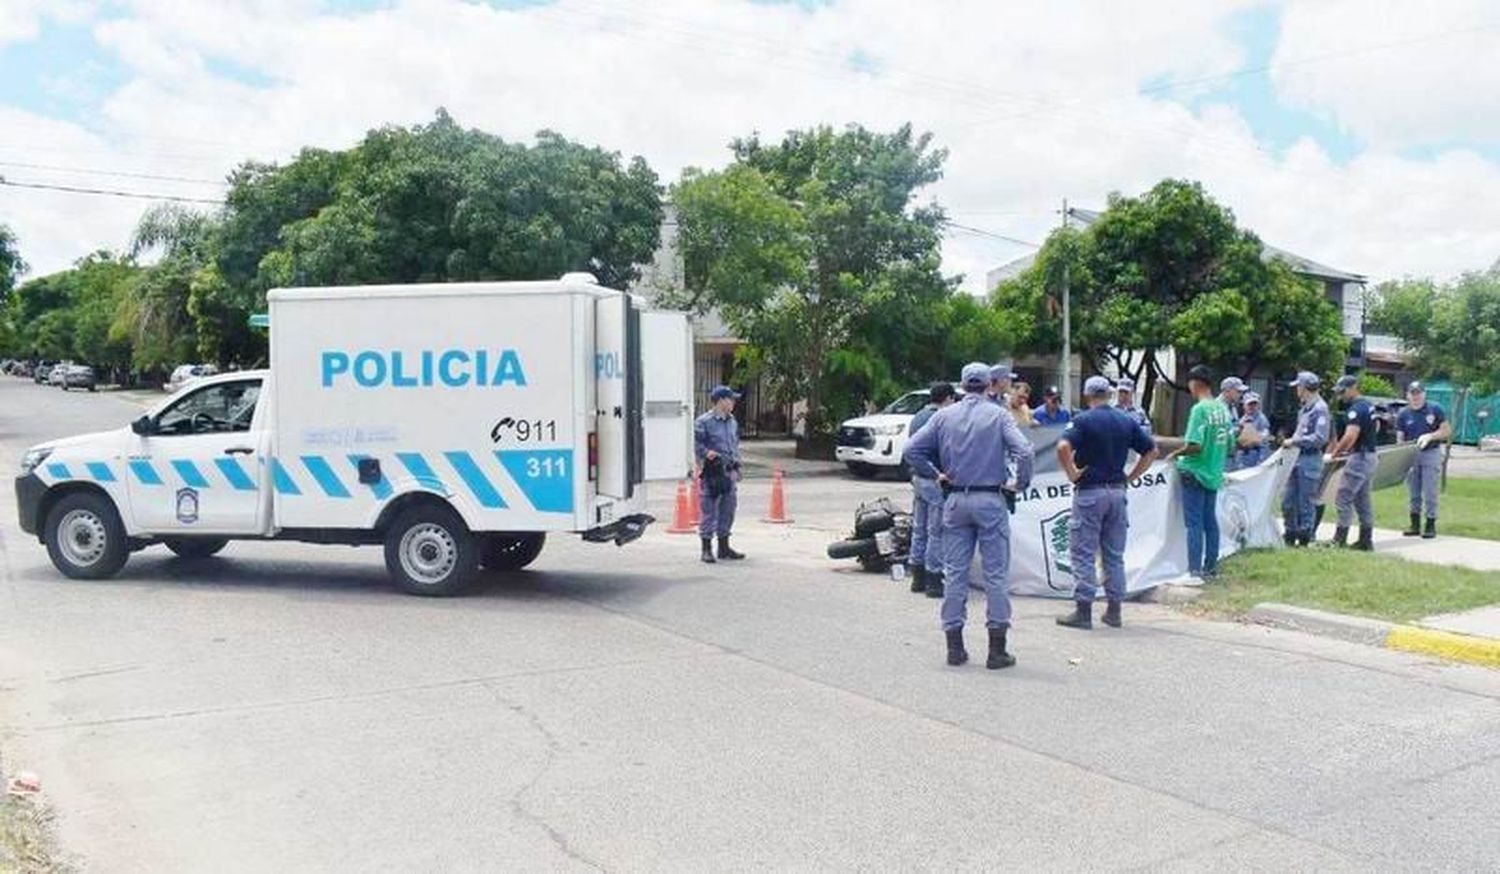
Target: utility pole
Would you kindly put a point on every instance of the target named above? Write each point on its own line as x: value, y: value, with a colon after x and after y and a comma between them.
x: 1067, y: 332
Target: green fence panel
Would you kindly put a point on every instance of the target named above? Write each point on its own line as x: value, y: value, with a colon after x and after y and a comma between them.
x: 1479, y: 418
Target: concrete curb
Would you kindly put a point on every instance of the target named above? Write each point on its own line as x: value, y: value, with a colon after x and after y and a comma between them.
x: 1375, y: 632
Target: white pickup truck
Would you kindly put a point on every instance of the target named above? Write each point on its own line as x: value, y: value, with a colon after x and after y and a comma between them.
x: 455, y: 424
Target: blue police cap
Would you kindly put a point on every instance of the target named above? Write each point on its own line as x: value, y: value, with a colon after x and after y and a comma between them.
x: 1096, y: 387
x: 1306, y: 379
x: 720, y: 392
x: 975, y: 374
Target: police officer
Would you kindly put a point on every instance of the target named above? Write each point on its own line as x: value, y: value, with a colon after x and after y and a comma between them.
x: 1231, y: 388
x: 1358, y: 443
x: 1000, y: 382
x: 976, y: 451
x: 926, y: 558
x: 1125, y: 403
x: 1427, y: 424
x: 716, y: 444
x: 1254, y: 440
x: 1051, y: 412
x: 1309, y: 439
x: 1092, y: 452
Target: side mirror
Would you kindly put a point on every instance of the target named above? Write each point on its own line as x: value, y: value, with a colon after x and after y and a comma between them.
x: 143, y: 426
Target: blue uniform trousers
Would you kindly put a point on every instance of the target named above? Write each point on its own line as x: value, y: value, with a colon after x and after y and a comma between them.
x: 976, y: 520
x: 1354, y: 490
x: 1422, y: 481
x: 926, y: 524
x: 1098, y: 524
x: 718, y: 512
x: 1302, y: 492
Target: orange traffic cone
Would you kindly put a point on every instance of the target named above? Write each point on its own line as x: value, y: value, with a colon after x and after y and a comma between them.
x: 682, y: 522
x: 777, y: 515
x: 695, y: 498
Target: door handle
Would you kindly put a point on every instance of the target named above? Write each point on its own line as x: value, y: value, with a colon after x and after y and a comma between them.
x: 239, y: 450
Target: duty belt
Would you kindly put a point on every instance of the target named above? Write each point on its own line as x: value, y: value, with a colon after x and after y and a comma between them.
x: 1087, y: 486
x: 950, y: 487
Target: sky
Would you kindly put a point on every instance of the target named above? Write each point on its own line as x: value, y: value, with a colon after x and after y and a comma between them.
x: 1360, y: 133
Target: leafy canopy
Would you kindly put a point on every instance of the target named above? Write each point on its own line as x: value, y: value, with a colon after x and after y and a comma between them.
x: 1451, y: 329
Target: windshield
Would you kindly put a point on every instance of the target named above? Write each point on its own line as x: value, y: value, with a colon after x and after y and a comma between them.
x: 908, y: 404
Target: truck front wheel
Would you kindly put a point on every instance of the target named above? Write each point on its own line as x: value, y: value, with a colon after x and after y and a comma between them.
x: 195, y: 547
x: 511, y: 552
x: 429, y: 551
x: 85, y: 538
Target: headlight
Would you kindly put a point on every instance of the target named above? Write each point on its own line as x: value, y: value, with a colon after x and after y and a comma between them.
x: 34, y: 457
x: 890, y: 430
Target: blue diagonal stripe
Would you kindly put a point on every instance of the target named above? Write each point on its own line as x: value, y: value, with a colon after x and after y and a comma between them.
x: 381, y: 487
x: 145, y: 473
x: 100, y: 472
x: 281, y: 480
x: 59, y: 471
x: 236, y: 475
x: 474, y: 478
x: 327, y: 480
x: 190, y: 473
x: 419, y: 468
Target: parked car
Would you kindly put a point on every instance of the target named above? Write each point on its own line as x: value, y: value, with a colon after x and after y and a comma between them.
x: 43, y: 372
x: 79, y: 376
x: 21, y: 369
x: 186, y: 374
x: 58, y: 371
x: 870, y: 444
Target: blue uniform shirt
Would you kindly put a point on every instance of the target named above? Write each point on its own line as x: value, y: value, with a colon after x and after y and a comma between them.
x: 1061, y: 417
x: 718, y: 433
x: 1138, y: 416
x: 920, y: 419
x: 975, y: 442
x: 1312, y: 426
x: 1413, y: 422
x: 1102, y: 438
x: 1362, y: 414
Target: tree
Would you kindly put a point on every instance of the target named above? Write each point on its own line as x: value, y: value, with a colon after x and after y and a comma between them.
x: 11, y: 267
x: 1171, y: 269
x: 1451, y: 330
x: 814, y: 251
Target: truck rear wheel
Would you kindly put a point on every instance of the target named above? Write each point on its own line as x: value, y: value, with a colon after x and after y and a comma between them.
x: 429, y: 551
x: 196, y: 547
x: 511, y: 552
x: 85, y: 538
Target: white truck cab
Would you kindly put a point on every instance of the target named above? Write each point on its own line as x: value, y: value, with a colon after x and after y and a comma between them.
x: 869, y: 444
x: 455, y: 424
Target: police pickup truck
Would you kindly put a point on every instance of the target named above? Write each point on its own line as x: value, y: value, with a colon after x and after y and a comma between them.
x: 869, y: 444
x: 455, y: 424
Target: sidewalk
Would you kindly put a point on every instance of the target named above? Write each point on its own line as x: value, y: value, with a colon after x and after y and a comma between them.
x: 1469, y: 636
x: 760, y: 457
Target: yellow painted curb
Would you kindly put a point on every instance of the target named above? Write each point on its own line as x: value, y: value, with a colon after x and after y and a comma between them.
x: 1445, y: 644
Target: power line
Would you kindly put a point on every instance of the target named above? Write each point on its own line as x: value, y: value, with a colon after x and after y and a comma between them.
x: 121, y: 173
x: 108, y: 193
x: 984, y: 233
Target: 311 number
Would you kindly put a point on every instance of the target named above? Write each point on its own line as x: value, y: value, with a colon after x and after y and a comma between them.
x: 546, y: 468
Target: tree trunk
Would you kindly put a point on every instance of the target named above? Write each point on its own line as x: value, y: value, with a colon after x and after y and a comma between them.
x: 1454, y: 426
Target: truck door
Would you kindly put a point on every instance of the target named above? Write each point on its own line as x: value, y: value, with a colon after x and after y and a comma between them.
x: 202, y: 470
x: 612, y: 416
x: 667, y: 386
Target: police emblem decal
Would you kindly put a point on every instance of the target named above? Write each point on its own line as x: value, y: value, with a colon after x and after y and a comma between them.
x: 187, y: 505
x: 1057, y: 542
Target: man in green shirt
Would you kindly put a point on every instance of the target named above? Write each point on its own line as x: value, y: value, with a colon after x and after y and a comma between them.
x: 1200, y: 468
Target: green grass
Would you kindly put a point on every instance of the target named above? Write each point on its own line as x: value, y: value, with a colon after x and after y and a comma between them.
x: 26, y: 838
x: 1364, y: 584
x: 1467, y: 509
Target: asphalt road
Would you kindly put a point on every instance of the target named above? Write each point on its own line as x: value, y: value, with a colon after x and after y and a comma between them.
x: 282, y: 708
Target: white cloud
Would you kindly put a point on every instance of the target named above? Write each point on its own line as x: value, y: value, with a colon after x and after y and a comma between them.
x: 22, y: 19
x: 1392, y: 72
x: 1034, y: 102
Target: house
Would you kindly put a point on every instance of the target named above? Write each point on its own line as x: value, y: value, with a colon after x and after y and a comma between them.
x: 1344, y: 289
x: 715, y: 346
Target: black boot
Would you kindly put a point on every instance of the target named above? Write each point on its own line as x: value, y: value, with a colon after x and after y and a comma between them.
x: 1082, y: 616
x: 708, y: 550
x: 1415, y: 528
x: 1112, y: 615
x: 1288, y: 534
x: 1305, y: 538
x: 1366, y: 541
x: 1340, y: 537
x: 999, y: 658
x: 918, y: 578
x: 726, y: 552
x: 1317, y: 517
x: 957, y: 655
x: 934, y: 584
x: 1431, y: 531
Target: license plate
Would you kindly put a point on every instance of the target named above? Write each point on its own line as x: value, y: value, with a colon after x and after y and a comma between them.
x: 885, y: 543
